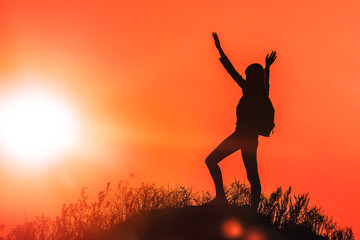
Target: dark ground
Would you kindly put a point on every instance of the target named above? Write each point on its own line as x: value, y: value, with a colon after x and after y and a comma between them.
x: 204, y: 222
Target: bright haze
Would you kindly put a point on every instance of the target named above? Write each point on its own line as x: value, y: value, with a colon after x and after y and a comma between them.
x: 136, y: 87
x: 36, y: 129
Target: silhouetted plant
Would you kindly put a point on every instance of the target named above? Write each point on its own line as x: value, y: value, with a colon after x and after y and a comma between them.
x: 40, y: 228
x: 238, y: 193
x: 83, y: 218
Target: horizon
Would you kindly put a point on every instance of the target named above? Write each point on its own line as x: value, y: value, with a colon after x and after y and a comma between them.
x: 148, y: 96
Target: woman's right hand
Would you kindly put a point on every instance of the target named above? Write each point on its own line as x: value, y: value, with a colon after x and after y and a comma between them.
x: 216, y: 39
x: 270, y: 59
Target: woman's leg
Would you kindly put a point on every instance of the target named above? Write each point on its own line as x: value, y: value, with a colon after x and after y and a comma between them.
x: 230, y: 145
x: 249, y: 157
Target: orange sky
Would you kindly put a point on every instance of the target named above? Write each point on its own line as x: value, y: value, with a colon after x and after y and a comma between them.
x: 155, y: 100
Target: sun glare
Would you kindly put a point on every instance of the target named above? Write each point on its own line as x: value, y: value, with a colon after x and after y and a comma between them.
x: 36, y: 128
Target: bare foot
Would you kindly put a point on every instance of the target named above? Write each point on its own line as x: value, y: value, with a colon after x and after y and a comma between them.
x: 218, y: 200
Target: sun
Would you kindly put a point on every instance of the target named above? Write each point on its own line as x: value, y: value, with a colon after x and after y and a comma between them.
x: 37, y: 127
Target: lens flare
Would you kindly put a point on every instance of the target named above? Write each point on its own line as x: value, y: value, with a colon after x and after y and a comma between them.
x: 256, y: 235
x: 232, y: 229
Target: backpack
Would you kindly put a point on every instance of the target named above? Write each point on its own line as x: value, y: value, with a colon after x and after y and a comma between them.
x: 266, y: 117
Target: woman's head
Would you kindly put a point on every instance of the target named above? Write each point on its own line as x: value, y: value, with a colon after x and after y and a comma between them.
x: 255, y: 74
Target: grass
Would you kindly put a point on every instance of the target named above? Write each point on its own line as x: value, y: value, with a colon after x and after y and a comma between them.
x: 115, y: 205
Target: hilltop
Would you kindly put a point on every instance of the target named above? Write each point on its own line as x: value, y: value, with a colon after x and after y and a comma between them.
x: 150, y: 212
x: 203, y: 222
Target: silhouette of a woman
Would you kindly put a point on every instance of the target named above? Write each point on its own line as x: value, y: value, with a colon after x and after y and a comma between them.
x: 245, y: 137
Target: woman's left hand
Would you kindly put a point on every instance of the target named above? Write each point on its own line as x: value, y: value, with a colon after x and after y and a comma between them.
x: 216, y: 39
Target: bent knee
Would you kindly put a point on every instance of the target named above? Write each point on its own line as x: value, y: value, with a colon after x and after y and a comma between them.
x: 209, y: 161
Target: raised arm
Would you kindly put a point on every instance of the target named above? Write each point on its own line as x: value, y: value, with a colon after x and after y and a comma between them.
x: 268, y: 61
x: 227, y: 64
